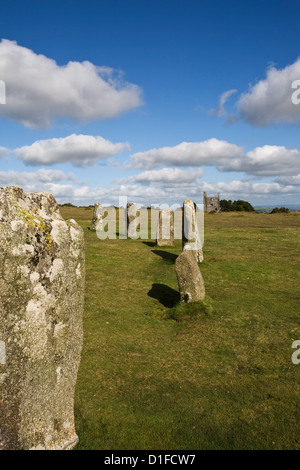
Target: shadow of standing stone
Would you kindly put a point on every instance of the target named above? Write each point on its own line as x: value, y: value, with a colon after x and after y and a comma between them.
x: 149, y: 243
x: 171, y: 257
x: 167, y: 296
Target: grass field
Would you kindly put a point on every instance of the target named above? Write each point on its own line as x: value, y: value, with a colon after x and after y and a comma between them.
x: 157, y: 376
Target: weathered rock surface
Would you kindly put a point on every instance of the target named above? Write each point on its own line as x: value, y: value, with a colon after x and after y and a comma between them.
x: 189, y: 277
x: 165, y: 228
x: 41, y: 309
x: 132, y: 220
x: 97, y: 220
x: 190, y: 234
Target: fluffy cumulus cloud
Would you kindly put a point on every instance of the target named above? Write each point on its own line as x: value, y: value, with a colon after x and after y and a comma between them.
x: 270, y: 100
x: 165, y: 176
x: 21, y: 178
x: 180, y: 177
x: 245, y: 189
x: 84, y: 195
x: 80, y: 150
x: 207, y: 152
x: 38, y: 90
x: 65, y: 188
x: 269, y: 160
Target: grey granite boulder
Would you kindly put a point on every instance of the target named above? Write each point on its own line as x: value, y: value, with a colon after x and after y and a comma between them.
x: 132, y: 221
x: 41, y: 310
x: 190, y: 233
x: 97, y: 220
x: 165, y: 228
x: 189, y: 277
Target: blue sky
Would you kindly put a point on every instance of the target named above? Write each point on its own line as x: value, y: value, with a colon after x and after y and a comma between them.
x: 109, y: 98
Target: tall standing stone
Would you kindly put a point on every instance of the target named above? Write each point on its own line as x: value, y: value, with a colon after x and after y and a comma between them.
x: 132, y: 220
x: 41, y: 310
x: 165, y: 228
x: 189, y: 277
x: 190, y: 233
x: 97, y: 220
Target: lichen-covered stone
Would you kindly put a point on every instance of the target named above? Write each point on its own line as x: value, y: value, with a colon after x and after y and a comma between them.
x: 41, y: 309
x: 189, y: 277
x: 190, y: 233
x: 132, y: 220
x: 165, y: 228
x: 97, y: 220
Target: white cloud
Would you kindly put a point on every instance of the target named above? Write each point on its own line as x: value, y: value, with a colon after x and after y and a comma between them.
x: 164, y: 185
x: 243, y: 189
x: 207, y: 152
x: 62, y: 192
x: 270, y: 100
x: 220, y: 110
x: 38, y: 90
x: 289, y: 180
x: 159, y: 193
x: 165, y: 176
x: 268, y: 160
x: 85, y: 195
x: 80, y: 150
x: 4, y: 152
x: 21, y: 178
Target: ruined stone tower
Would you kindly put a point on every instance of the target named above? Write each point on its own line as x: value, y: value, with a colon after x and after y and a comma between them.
x: 211, y: 204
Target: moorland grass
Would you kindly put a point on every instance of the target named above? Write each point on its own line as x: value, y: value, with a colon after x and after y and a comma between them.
x: 156, y: 374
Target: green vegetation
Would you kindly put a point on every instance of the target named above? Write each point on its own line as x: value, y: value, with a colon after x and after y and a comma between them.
x: 239, y: 205
x: 158, y: 375
x: 277, y: 210
x: 67, y: 204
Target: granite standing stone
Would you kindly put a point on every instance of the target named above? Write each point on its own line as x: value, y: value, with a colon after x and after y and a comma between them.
x: 132, y: 220
x: 97, y: 220
x: 165, y: 228
x: 189, y: 277
x: 41, y: 332
x: 190, y: 234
